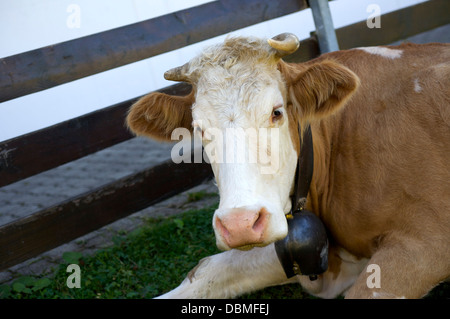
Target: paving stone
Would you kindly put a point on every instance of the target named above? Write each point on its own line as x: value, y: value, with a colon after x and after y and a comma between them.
x: 7, y: 218
x: 17, y: 211
x: 56, y: 254
x: 5, y: 277
x: 39, y: 266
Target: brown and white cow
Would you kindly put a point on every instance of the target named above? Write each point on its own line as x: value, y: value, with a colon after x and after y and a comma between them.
x: 380, y: 120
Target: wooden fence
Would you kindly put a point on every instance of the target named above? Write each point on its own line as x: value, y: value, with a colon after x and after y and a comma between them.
x: 50, y: 66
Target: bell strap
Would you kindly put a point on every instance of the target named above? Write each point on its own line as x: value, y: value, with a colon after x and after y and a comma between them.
x: 304, y: 171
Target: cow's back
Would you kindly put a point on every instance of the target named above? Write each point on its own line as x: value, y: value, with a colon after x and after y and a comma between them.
x: 389, y: 163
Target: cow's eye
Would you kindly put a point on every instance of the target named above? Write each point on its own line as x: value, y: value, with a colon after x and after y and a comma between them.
x: 277, y: 114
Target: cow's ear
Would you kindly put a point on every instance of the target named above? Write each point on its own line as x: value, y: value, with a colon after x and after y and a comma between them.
x: 156, y: 115
x: 322, y: 89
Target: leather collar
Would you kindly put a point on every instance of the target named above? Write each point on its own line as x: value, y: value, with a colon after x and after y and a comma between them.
x: 305, y: 169
x: 304, y: 251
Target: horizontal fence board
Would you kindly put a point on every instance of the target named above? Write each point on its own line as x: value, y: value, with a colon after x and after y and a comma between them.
x: 50, y: 66
x: 71, y: 219
x: 48, y: 148
x: 396, y: 25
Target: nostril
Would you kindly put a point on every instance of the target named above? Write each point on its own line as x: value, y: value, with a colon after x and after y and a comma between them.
x: 242, y: 226
x: 221, y: 227
x: 260, y: 222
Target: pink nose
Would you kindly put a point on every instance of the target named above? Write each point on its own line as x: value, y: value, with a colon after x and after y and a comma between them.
x: 241, y: 227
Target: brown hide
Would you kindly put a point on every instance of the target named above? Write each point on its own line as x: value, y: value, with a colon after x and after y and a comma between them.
x: 385, y: 159
x: 382, y: 166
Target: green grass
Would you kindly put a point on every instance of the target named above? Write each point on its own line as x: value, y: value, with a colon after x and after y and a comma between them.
x: 144, y: 264
x: 196, y: 196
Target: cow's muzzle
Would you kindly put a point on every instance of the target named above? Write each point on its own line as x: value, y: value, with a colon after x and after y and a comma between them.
x: 243, y: 227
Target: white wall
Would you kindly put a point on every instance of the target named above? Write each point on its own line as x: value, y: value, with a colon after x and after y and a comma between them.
x: 29, y: 24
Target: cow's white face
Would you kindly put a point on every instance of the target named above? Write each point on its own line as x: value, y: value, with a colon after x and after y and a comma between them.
x: 238, y: 107
x: 240, y: 114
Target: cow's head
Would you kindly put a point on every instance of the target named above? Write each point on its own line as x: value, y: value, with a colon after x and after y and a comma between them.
x: 247, y: 102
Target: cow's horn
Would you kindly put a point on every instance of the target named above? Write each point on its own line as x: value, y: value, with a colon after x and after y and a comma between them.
x: 178, y: 74
x: 284, y: 44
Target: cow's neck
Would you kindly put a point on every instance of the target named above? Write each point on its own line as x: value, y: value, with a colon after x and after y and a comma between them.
x: 319, y: 189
